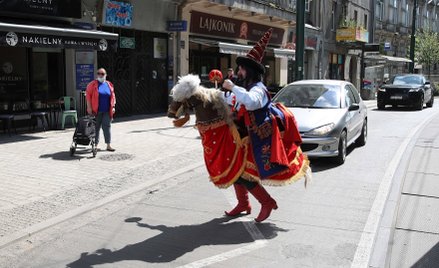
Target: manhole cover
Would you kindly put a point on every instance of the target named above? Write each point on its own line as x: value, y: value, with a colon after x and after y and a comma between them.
x: 116, y: 157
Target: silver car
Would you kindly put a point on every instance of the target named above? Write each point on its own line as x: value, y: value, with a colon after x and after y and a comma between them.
x: 330, y: 113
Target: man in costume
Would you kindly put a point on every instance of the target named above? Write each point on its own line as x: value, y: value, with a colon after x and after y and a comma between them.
x: 270, y: 132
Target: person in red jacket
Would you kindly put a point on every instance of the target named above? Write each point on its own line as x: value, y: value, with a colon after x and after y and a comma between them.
x: 101, y: 102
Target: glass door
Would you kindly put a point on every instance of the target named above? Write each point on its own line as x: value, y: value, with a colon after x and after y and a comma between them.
x: 47, y: 74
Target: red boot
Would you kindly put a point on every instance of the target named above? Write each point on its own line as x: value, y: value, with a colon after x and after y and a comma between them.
x: 243, y: 203
x: 267, y: 203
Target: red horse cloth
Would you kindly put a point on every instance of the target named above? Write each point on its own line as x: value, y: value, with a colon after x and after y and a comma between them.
x: 224, y: 154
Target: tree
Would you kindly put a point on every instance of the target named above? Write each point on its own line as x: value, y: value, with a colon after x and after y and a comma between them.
x: 427, y: 49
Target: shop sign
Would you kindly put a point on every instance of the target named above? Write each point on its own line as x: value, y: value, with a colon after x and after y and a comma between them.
x: 84, y: 75
x: 13, y: 39
x: 84, y: 69
x: 386, y: 46
x: 118, y: 14
x: 352, y: 35
x: 160, y: 48
x: 218, y: 26
x: 177, y: 26
x: 127, y: 42
x: 58, y: 8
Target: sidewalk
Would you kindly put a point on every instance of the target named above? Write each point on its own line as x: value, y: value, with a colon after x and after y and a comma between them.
x: 415, y: 241
x: 40, y: 180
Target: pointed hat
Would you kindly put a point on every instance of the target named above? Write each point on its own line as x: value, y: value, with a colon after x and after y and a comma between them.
x: 253, y: 59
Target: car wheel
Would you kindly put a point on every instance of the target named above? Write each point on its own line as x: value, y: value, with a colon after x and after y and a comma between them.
x: 430, y: 103
x: 361, y: 141
x: 342, y: 149
x: 420, y: 105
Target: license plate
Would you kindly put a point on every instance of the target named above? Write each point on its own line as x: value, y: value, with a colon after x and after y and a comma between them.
x: 396, y: 97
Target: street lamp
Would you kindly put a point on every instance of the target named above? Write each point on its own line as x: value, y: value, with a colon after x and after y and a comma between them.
x: 412, y: 37
x: 300, y: 39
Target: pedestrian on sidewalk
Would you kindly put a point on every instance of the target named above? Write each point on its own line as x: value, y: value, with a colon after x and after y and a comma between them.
x: 101, y: 102
x: 231, y: 75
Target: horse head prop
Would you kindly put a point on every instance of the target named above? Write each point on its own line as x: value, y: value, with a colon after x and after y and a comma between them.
x: 208, y: 103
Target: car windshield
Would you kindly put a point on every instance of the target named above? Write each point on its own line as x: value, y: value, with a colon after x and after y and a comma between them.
x: 310, y: 96
x: 407, y: 80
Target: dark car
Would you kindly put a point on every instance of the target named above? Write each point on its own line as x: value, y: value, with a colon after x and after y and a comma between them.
x: 408, y: 89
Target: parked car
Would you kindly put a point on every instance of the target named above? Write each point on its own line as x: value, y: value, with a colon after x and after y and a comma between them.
x: 407, y: 89
x: 330, y: 114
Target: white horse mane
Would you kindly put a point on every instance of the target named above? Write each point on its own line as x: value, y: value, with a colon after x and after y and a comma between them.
x: 189, y: 85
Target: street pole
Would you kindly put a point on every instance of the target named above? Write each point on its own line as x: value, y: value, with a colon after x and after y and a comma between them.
x: 300, y: 39
x: 412, y: 38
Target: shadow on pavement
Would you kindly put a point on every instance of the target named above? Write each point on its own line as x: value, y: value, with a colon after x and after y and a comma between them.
x: 159, y: 129
x: 174, y: 242
x: 65, y: 155
x: 326, y: 163
x: 397, y: 109
x: 430, y: 259
x: 4, y: 138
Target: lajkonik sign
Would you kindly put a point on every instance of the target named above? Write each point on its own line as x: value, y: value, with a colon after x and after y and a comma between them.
x: 59, y: 8
x: 207, y: 24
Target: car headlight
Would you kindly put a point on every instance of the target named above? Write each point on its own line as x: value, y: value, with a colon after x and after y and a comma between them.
x: 414, y: 90
x: 382, y: 89
x: 322, y: 130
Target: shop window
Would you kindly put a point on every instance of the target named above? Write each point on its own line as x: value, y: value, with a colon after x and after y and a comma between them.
x: 14, y: 78
x: 47, y: 74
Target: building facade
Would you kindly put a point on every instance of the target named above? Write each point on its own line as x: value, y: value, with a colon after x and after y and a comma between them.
x: 38, y: 45
x: 219, y: 31
x: 58, y: 51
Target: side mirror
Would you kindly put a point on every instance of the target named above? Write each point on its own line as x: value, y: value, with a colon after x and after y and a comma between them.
x: 354, y: 107
x: 427, y: 84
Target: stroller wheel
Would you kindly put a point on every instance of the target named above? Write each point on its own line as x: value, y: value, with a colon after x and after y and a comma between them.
x: 94, y: 150
x: 72, y: 150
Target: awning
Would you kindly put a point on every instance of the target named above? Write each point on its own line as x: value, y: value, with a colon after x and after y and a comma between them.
x: 379, y: 57
x: 228, y: 48
x: 285, y: 53
x: 21, y: 35
x: 396, y: 59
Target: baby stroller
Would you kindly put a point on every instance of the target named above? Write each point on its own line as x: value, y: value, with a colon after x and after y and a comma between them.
x: 85, y: 133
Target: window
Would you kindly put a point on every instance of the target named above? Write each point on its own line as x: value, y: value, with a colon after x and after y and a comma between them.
x: 356, y: 17
x: 47, y: 74
x: 365, y: 21
x: 14, y: 77
x: 355, y: 93
x: 379, y: 9
x: 308, y: 5
x: 393, y: 12
x: 404, y: 13
x: 333, y: 14
x: 350, y: 99
x: 425, y: 17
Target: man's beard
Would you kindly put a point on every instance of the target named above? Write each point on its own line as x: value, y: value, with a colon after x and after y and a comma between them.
x: 240, y: 81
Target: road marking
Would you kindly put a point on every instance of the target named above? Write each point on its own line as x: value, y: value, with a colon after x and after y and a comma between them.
x: 367, y: 240
x: 252, y: 229
x: 226, y: 255
x: 4, y: 241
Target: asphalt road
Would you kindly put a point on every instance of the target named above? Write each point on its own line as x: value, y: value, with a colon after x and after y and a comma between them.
x: 176, y: 220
